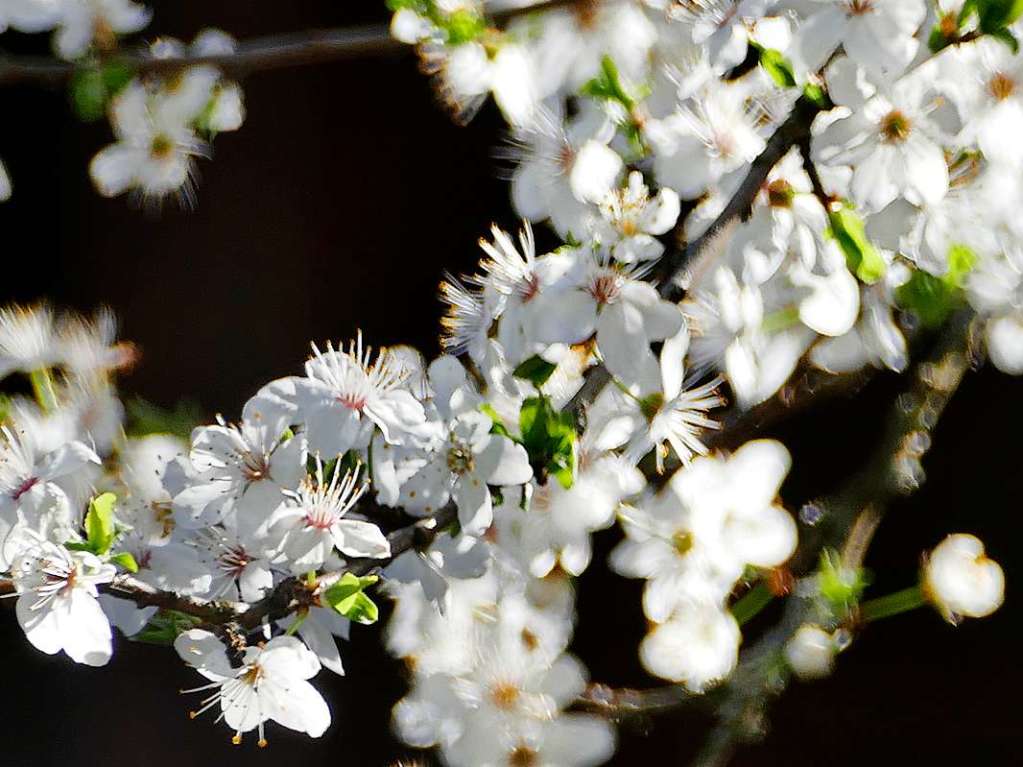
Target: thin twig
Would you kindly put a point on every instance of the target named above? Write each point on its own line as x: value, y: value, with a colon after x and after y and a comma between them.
x: 675, y: 264
x: 252, y: 55
x: 851, y: 518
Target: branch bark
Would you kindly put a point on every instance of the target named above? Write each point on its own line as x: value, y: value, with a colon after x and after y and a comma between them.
x: 252, y: 55
x: 673, y: 266
x: 291, y: 593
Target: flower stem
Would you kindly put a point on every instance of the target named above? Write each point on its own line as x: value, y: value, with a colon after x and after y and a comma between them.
x: 893, y: 604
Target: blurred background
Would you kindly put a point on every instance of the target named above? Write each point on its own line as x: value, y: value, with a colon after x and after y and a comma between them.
x: 338, y: 205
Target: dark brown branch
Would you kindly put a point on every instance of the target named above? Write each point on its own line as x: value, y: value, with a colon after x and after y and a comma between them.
x: 795, y: 128
x: 289, y: 594
x: 252, y: 55
x: 675, y: 263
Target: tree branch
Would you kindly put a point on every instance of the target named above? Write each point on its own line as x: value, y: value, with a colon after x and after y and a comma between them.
x: 291, y: 593
x: 850, y: 520
x: 674, y: 264
x: 252, y: 55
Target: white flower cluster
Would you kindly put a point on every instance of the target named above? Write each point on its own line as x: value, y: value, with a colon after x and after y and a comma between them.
x: 161, y: 124
x: 911, y: 149
x: 466, y: 482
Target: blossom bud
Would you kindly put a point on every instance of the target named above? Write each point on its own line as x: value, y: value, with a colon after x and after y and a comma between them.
x: 961, y: 581
x: 810, y: 652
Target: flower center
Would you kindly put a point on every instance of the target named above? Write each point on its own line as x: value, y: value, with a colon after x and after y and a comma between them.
x: 24, y: 487
x: 255, y: 466
x: 895, y: 127
x: 320, y: 517
x: 605, y: 286
x: 682, y: 541
x: 529, y: 288
x: 859, y: 7
x: 565, y: 157
x: 504, y: 695
x: 352, y: 401
x: 1001, y: 86
x: 162, y: 147
x: 234, y: 560
x: 252, y: 675
x: 461, y: 459
x: 522, y: 756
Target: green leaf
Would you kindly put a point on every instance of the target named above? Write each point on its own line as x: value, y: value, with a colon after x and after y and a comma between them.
x: 816, y: 94
x: 1006, y: 37
x: 937, y: 40
x: 778, y: 67
x: 126, y: 561
x: 463, y: 26
x: 99, y: 523
x: 932, y: 299
x: 146, y: 418
x: 839, y: 585
x: 995, y: 15
x: 88, y: 94
x: 92, y: 88
x: 608, y: 85
x: 164, y: 627
x: 549, y: 437
x: 116, y: 75
x: 536, y: 370
x: 497, y: 425
x: 862, y: 257
x: 348, y: 597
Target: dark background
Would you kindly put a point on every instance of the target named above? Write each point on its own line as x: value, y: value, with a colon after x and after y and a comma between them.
x: 338, y: 205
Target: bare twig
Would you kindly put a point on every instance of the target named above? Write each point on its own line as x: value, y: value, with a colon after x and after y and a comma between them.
x: 252, y: 55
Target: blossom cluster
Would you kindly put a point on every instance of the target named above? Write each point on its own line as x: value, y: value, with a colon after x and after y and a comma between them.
x: 160, y: 123
x: 470, y: 485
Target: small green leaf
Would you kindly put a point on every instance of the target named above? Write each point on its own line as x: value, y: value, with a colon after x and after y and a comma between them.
x: 164, y: 627
x: 549, y: 437
x: 778, y: 67
x: 839, y: 585
x: 932, y: 299
x: 536, y: 370
x: 995, y: 15
x: 348, y: 597
x: 862, y: 257
x: 816, y: 95
x: 116, y: 75
x: 126, y: 561
x: 497, y: 425
x: 1006, y: 37
x: 608, y: 85
x: 88, y: 94
x: 99, y: 523
x: 463, y: 26
x: 937, y: 40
